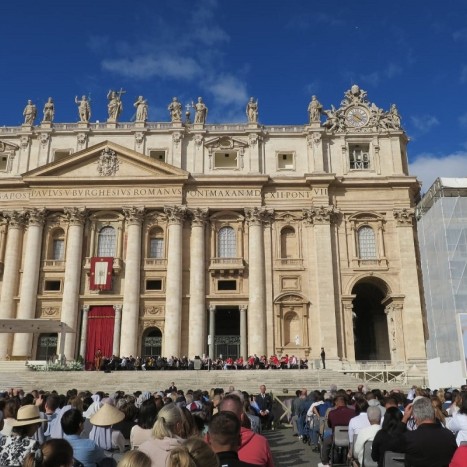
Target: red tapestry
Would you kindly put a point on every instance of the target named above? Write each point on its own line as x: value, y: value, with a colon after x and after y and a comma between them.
x: 100, y: 334
x: 101, y: 273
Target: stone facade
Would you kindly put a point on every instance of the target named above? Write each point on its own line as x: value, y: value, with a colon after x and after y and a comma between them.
x: 224, y: 238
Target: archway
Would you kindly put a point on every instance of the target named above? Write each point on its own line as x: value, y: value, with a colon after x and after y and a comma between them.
x: 227, y: 332
x: 47, y: 346
x: 370, y: 323
x: 152, y: 342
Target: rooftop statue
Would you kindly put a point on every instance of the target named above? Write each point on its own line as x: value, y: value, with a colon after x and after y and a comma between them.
x: 49, y: 110
x: 115, y: 105
x: 252, y: 110
x: 84, y: 109
x: 29, y: 113
x: 175, y: 109
x: 314, y: 110
x: 141, y: 109
x: 201, y: 111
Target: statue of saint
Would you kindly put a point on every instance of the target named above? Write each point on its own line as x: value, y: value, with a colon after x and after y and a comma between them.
x: 141, y: 109
x: 314, y: 110
x: 49, y: 110
x: 201, y: 111
x: 115, y: 106
x: 84, y: 109
x: 175, y: 109
x: 395, y: 117
x: 29, y: 113
x: 252, y: 110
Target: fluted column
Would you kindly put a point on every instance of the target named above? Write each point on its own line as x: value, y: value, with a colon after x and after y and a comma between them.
x: 212, y: 330
x: 243, y: 331
x: 256, y: 279
x: 197, y: 328
x: 22, y: 343
x: 131, y: 291
x: 16, y: 222
x: 173, y: 302
x: 84, y: 332
x: 70, y: 300
x: 117, y: 331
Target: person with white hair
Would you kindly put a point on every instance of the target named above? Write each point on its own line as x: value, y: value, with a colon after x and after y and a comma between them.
x: 368, y: 433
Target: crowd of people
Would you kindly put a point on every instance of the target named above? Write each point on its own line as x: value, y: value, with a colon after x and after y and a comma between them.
x: 151, y: 363
x: 196, y: 428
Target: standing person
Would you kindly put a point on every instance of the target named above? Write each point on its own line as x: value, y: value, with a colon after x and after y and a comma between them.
x: 264, y: 402
x: 323, y: 358
x: 98, y: 359
x: 29, y: 113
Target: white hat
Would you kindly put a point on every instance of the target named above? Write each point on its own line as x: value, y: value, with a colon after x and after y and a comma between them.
x: 107, y: 415
x: 28, y: 415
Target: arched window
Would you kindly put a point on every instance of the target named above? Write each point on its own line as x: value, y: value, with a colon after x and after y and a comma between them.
x: 288, y: 243
x: 366, y: 243
x: 156, y: 244
x: 107, y: 242
x: 57, y: 250
x: 227, y: 243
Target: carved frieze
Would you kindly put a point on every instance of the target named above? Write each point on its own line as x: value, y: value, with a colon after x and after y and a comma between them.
x: 24, y: 142
x: 175, y: 214
x: 44, y: 139
x: 16, y: 219
x: 199, y: 215
x: 321, y: 215
x: 108, y: 163
x: 139, y: 138
x: 176, y: 137
x: 404, y: 216
x: 37, y: 216
x: 81, y: 138
x: 75, y: 216
x: 49, y: 311
x: 259, y: 215
x: 153, y: 310
x: 133, y: 214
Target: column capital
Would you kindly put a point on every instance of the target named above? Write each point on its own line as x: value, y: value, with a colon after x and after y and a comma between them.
x: 212, y: 308
x: 199, y: 216
x: 85, y: 308
x: 321, y: 215
x: 243, y: 308
x: 16, y: 219
x: 404, y: 217
x: 259, y: 215
x: 118, y: 308
x: 133, y: 214
x: 175, y: 214
x: 37, y: 216
x: 76, y: 216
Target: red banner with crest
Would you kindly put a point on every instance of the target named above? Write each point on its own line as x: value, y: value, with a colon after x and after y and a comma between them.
x: 101, y: 273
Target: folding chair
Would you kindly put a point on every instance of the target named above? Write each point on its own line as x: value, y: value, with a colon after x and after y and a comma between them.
x: 340, y: 445
x: 367, y: 460
x: 394, y: 459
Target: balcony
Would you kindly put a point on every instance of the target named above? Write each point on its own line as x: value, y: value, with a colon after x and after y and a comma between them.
x: 117, y: 265
x: 53, y: 265
x: 288, y: 263
x: 152, y: 264
x: 227, y: 266
x: 368, y: 264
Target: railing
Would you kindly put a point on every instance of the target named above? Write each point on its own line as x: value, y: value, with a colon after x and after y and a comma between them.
x: 53, y: 264
x: 158, y: 263
x: 381, y: 371
x: 227, y: 261
x: 370, y: 263
x: 227, y: 127
x: 289, y: 262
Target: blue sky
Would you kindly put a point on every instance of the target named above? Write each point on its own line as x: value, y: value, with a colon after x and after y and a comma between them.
x: 412, y: 53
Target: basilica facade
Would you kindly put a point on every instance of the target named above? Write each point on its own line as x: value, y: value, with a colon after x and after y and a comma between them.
x: 182, y: 238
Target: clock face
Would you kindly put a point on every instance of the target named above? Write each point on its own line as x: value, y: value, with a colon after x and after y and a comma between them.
x: 356, y: 117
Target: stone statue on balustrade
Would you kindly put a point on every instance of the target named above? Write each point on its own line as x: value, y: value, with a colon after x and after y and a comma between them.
x: 201, y: 111
x: 314, y: 110
x: 29, y: 113
x: 141, y: 109
x: 49, y: 110
x: 252, y: 111
x: 115, y: 106
x: 84, y: 109
x: 175, y: 109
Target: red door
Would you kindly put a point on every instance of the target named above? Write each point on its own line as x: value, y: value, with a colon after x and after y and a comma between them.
x: 100, y: 334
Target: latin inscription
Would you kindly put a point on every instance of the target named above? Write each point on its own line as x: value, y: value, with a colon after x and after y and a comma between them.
x: 222, y: 193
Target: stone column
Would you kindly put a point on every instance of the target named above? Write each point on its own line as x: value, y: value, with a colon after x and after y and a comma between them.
x: 349, y: 343
x: 173, y: 302
x: 16, y: 221
x: 117, y: 331
x: 256, y: 277
x: 212, y: 330
x: 84, y: 333
x: 197, y: 327
x: 131, y: 290
x: 22, y: 344
x: 73, y: 267
x: 321, y: 218
x: 411, y: 288
x: 243, y: 331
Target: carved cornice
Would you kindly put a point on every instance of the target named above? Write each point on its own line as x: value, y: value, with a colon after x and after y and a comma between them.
x: 76, y: 216
x: 321, y: 215
x: 404, y: 216
x: 199, y: 216
x: 133, y: 214
x: 259, y: 215
x: 16, y: 219
x: 37, y: 216
x: 175, y: 214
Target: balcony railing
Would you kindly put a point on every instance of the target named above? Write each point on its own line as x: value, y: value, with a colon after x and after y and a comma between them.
x: 232, y: 265
x: 53, y: 265
x: 155, y: 263
x: 370, y: 263
x: 289, y: 263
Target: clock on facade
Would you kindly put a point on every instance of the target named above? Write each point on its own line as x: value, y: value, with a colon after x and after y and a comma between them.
x: 356, y: 117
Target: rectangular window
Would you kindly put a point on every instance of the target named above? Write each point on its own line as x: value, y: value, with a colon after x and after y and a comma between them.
x: 156, y: 248
x: 227, y: 285
x: 157, y: 154
x: 154, y: 284
x: 58, y: 249
x: 285, y: 161
x: 359, y: 156
x: 52, y: 286
x: 225, y: 160
x: 3, y: 163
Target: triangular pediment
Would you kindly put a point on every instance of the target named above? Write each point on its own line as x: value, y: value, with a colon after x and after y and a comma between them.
x: 225, y: 142
x: 106, y: 161
x: 6, y: 146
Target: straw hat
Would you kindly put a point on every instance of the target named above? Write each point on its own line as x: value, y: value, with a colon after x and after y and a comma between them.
x: 107, y: 415
x: 28, y: 415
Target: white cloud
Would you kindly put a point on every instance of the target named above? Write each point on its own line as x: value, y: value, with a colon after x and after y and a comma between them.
x: 424, y: 123
x: 228, y: 89
x: 427, y: 167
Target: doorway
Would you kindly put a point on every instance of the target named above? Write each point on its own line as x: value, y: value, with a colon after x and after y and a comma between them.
x: 227, y: 332
x: 152, y: 343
